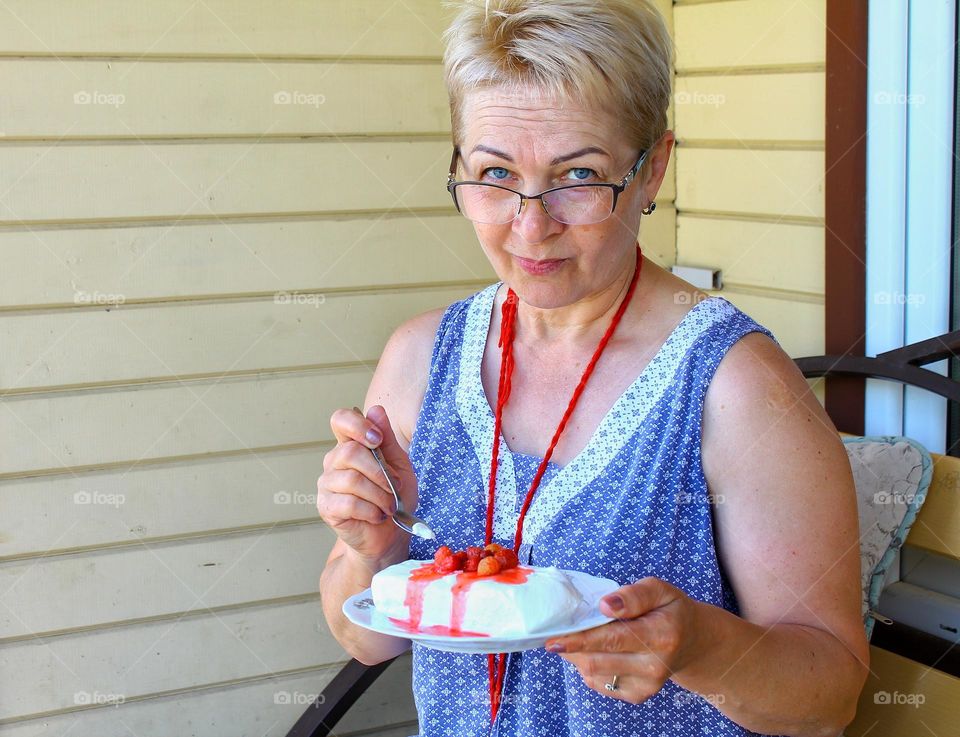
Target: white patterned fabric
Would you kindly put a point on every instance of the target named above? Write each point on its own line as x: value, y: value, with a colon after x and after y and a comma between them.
x: 633, y: 503
x: 892, y: 475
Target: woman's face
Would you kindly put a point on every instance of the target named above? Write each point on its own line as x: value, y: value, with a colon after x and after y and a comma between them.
x: 531, y: 144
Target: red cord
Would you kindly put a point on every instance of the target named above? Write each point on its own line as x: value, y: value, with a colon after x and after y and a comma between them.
x: 496, y: 664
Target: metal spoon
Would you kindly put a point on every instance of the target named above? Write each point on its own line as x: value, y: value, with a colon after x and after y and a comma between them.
x: 401, y: 518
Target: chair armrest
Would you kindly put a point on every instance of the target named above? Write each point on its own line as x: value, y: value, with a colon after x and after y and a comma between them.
x: 335, y: 701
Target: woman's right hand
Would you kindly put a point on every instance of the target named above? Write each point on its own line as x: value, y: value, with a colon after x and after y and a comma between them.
x: 353, y: 497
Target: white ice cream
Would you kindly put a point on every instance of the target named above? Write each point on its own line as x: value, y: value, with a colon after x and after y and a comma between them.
x: 547, y: 599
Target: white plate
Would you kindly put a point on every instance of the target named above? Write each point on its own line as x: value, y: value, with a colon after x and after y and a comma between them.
x: 361, y: 610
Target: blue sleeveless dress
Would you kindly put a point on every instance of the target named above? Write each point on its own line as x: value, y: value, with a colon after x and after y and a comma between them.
x: 633, y: 503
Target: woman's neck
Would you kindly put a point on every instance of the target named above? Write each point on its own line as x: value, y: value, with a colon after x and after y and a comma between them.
x: 575, y: 322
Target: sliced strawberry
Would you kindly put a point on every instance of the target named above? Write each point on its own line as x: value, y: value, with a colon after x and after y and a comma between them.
x: 474, y: 551
x: 459, y: 559
x: 446, y: 565
x: 471, y: 565
x: 506, y: 558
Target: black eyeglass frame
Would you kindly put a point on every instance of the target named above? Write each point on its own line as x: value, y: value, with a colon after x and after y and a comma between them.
x: 617, y: 188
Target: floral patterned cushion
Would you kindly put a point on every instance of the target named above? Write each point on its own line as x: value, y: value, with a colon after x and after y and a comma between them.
x: 892, y: 475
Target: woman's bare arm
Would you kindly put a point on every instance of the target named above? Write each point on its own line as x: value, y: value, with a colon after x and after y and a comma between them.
x: 398, y: 386
x: 787, y: 537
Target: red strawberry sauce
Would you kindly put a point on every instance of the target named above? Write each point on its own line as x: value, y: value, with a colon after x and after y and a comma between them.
x: 427, y: 573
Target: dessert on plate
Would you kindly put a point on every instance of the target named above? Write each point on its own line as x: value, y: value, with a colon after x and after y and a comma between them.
x: 477, y: 592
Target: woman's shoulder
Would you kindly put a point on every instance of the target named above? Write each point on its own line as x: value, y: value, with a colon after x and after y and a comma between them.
x: 400, y: 380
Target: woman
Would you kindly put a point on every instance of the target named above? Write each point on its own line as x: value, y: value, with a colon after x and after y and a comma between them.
x: 694, y: 466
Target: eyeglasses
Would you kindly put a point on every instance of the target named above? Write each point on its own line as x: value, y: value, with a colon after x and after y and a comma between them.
x: 575, y: 204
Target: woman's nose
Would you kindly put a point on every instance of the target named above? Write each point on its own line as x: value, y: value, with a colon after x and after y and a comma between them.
x: 533, y: 224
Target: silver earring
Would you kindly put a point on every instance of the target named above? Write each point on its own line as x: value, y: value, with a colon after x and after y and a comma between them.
x: 649, y: 208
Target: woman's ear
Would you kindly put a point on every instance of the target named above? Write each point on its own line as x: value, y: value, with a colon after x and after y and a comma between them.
x: 656, y: 166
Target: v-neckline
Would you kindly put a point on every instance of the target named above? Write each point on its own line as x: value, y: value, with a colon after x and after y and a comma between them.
x: 608, y: 439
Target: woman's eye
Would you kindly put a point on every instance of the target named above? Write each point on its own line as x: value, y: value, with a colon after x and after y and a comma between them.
x: 581, y: 174
x: 496, y: 172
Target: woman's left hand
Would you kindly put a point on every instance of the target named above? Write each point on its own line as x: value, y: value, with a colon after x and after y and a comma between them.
x: 656, y: 634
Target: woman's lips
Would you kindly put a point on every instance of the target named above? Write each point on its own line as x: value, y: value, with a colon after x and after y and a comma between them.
x: 538, y: 268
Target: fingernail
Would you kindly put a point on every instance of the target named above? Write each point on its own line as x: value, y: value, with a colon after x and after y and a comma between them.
x: 374, y: 437
x: 614, y: 602
x: 556, y: 647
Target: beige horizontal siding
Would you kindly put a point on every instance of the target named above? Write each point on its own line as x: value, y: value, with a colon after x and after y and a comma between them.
x: 246, y: 28
x: 758, y: 254
x: 746, y: 34
x: 724, y: 108
x: 133, y: 99
x: 87, y: 428
x: 148, y: 498
x: 766, y: 182
x: 750, y: 166
x: 256, y: 707
x: 172, y: 174
x: 286, y: 329
x: 93, y: 590
x: 71, y: 267
x: 249, y: 642
x: 177, y: 180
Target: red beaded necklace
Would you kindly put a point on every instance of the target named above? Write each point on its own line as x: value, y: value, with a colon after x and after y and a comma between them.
x: 496, y: 664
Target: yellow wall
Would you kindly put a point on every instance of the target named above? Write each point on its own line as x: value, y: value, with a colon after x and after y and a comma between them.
x: 168, y: 172
x: 749, y: 99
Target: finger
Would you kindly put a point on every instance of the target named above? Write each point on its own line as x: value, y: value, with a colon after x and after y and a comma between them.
x: 634, y: 672
x: 352, y: 455
x: 350, y: 482
x: 392, y: 450
x: 337, y: 508
x: 636, y: 599
x: 625, y: 636
x: 348, y: 424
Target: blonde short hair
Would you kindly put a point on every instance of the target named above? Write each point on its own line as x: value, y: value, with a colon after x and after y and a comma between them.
x: 612, y: 54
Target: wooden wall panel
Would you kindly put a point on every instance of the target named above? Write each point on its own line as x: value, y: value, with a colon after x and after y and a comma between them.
x: 743, y: 34
x: 164, y: 263
x: 750, y: 169
x: 248, y: 29
x: 176, y: 181
x: 154, y: 657
x: 756, y: 253
x: 133, y: 99
x: 756, y: 182
x: 753, y: 108
x: 161, y: 580
x: 136, y: 342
